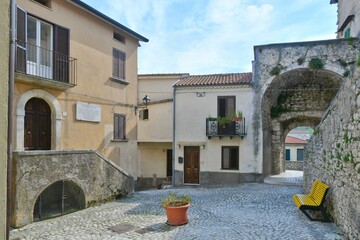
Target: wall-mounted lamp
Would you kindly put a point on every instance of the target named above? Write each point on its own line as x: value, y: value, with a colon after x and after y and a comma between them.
x: 200, y: 94
x: 146, y: 100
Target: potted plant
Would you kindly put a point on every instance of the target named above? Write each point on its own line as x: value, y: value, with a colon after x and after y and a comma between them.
x: 223, y: 121
x: 237, y: 117
x: 176, y: 207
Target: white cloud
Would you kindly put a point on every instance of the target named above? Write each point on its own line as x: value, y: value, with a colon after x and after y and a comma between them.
x: 215, y: 36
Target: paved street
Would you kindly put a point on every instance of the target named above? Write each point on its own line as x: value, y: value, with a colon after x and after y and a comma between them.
x: 244, y: 211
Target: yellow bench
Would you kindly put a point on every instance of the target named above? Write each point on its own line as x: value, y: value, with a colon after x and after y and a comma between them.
x: 313, y: 201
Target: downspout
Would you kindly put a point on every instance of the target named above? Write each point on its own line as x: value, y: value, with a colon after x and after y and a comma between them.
x: 10, y: 111
x: 173, y: 142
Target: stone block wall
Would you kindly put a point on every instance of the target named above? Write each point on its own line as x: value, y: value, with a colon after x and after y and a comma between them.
x: 333, y: 156
x: 294, y: 165
x: 33, y: 171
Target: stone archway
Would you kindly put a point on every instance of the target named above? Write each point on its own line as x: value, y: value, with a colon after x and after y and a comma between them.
x: 56, y: 117
x: 294, y: 98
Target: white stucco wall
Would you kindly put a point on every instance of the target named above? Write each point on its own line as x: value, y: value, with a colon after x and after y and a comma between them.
x: 293, y: 150
x: 191, y: 114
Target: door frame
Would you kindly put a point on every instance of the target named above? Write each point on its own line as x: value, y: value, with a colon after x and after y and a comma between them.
x: 198, y: 147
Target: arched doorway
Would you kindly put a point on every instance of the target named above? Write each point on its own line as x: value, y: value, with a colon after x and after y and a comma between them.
x: 61, y: 197
x: 294, y: 98
x: 37, y: 125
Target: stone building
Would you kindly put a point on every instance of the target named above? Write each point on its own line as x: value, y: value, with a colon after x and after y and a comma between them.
x: 75, y: 132
x: 4, y: 80
x: 348, y: 19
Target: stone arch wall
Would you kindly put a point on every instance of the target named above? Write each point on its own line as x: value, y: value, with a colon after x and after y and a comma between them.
x: 333, y: 156
x: 56, y: 117
x: 279, y: 69
x: 34, y: 171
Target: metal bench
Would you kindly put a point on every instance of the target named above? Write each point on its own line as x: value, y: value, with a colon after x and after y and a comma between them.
x: 313, y: 201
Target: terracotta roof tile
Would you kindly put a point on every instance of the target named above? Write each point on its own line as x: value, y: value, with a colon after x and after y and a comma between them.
x: 293, y: 140
x: 216, y: 79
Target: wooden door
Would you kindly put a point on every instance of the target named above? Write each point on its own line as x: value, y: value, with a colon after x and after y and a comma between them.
x: 191, y: 165
x: 37, y: 129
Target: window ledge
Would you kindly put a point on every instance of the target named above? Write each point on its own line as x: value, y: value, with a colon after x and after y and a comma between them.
x: 118, y: 80
x: 119, y: 140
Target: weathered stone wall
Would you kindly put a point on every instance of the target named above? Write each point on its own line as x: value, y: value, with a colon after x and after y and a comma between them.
x: 294, y: 165
x: 290, y: 90
x: 33, y: 171
x: 333, y: 156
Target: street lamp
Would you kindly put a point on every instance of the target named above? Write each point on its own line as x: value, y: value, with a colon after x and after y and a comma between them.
x: 146, y: 99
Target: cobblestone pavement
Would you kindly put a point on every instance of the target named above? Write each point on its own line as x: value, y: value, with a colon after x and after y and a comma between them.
x: 244, y: 211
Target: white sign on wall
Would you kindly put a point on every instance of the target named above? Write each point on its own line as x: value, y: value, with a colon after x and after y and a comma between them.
x: 88, y: 112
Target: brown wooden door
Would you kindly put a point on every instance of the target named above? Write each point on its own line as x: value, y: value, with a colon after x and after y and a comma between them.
x: 37, y: 129
x: 191, y: 165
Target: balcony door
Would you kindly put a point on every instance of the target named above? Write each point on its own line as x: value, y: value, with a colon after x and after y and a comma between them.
x: 39, y: 48
x: 226, y: 106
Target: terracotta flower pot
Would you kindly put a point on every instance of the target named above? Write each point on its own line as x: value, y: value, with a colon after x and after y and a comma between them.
x: 177, y: 215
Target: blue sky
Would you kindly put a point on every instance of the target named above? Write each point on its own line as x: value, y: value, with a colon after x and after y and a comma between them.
x: 216, y: 36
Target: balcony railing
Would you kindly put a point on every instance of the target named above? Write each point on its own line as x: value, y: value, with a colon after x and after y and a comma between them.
x: 44, y: 63
x: 234, y: 128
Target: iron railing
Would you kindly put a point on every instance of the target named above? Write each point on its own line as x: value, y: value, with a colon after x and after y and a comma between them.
x: 44, y: 63
x: 235, y: 128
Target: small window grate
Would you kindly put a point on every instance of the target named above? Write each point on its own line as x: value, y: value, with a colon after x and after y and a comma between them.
x: 119, y: 37
x: 46, y: 3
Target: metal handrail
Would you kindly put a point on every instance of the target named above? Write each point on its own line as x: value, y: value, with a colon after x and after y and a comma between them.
x: 44, y: 63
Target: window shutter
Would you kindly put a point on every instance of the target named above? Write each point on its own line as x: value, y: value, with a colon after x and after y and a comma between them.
x: 122, y: 65
x: 122, y: 127
x: 119, y: 126
x: 61, y: 53
x: 116, y: 126
x: 21, y: 40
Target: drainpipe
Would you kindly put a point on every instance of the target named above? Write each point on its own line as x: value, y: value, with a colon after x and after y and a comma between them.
x: 173, y: 144
x: 10, y: 111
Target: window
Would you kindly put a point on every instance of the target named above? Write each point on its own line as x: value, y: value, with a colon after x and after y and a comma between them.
x: 119, y: 37
x: 42, y: 48
x: 287, y: 154
x: 119, y: 126
x: 39, y: 48
x: 347, y: 33
x: 226, y: 106
x: 118, y: 64
x: 300, y: 154
x: 230, y: 158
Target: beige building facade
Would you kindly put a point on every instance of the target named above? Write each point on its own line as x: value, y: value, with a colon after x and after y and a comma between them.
x: 4, y: 78
x: 86, y: 95
x: 155, y: 130
x: 75, y: 89
x: 348, y: 19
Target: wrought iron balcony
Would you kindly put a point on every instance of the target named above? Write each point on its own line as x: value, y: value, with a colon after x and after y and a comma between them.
x: 233, y: 128
x: 45, y: 64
